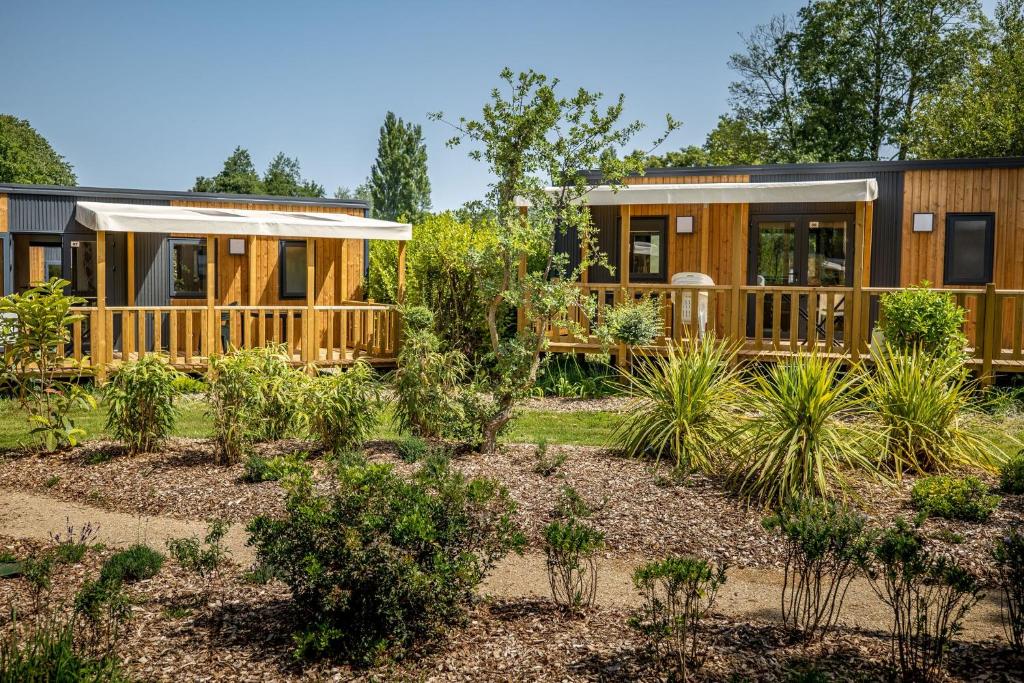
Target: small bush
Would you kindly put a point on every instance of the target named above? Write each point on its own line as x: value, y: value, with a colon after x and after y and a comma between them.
x: 412, y: 448
x: 634, y: 322
x: 37, y: 570
x: 71, y: 544
x: 1009, y: 559
x: 922, y: 404
x: 187, y: 384
x: 259, y: 468
x: 47, y: 652
x: 923, y: 319
x: 569, y: 548
x: 140, y: 399
x: 343, y: 407
x: 683, y: 406
x: 677, y: 593
x: 545, y: 464
x: 796, y: 445
x: 417, y: 318
x: 967, y: 499
x: 429, y: 386
x: 136, y: 563
x: 826, y: 546
x: 571, y: 505
x: 384, y: 562
x: 1011, y: 474
x: 102, y: 612
x: 203, y: 558
x: 929, y: 597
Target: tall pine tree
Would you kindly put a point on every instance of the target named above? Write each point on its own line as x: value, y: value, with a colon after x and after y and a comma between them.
x: 399, y: 185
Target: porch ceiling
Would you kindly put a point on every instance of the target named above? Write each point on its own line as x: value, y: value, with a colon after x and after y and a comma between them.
x: 861, y: 190
x: 102, y: 216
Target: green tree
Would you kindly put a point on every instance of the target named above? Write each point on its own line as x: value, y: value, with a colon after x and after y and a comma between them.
x: 362, y: 191
x: 399, y: 185
x: 531, y: 137
x: 238, y: 176
x: 980, y: 114
x: 732, y: 142
x: 283, y: 178
x: 26, y: 156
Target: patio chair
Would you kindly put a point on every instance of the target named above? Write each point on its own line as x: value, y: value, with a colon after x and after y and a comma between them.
x: 694, y: 280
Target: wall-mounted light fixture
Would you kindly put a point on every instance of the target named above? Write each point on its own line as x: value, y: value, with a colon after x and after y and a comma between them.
x: 923, y: 222
x: 684, y: 225
x: 236, y: 247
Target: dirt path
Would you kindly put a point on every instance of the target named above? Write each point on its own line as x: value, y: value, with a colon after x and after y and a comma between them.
x: 748, y: 593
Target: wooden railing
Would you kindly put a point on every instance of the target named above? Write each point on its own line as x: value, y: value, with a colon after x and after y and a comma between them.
x: 777, y: 321
x: 338, y: 335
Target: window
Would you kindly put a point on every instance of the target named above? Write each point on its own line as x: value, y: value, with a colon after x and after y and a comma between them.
x: 647, y: 249
x: 83, y: 267
x: 970, y: 240
x: 293, y: 269
x: 188, y: 268
x: 44, y: 263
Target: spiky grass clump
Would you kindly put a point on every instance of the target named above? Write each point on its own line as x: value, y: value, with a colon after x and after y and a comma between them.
x: 797, y: 443
x: 684, y: 405
x: 923, y: 404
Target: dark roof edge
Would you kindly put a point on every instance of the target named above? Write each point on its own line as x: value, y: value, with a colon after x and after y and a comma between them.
x: 63, y: 190
x: 849, y: 166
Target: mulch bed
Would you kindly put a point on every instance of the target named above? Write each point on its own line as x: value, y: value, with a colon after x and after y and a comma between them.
x: 244, y: 636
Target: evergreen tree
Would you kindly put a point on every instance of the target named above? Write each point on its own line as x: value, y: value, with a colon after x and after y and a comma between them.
x: 399, y: 185
x: 238, y: 176
x: 284, y: 179
x: 26, y: 156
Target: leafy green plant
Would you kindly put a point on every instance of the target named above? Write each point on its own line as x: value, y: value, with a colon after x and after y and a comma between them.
x: 950, y: 497
x: 545, y: 464
x: 417, y: 318
x: 186, y: 384
x: 565, y: 376
x: 259, y: 468
x: 796, y: 444
x: 929, y: 596
x: 102, y: 612
x: 37, y: 570
x: 569, y: 548
x: 1011, y: 474
x: 922, y: 404
x: 572, y: 505
x: 920, y: 318
x: 37, y: 329
x: 72, y: 545
x: 47, y: 652
x: 343, y: 407
x: 633, y: 321
x: 384, y: 562
x: 412, y: 448
x: 1008, y: 554
x: 204, y: 558
x: 140, y: 400
x: 429, y: 386
x: 136, y: 563
x: 684, y: 405
x: 826, y: 546
x: 677, y: 593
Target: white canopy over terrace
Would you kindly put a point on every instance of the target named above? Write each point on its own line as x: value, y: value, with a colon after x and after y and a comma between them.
x: 130, y: 218
x: 861, y: 190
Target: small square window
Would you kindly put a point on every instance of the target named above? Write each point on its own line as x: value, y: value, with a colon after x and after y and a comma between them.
x: 293, y: 269
x: 188, y: 268
x: 970, y: 242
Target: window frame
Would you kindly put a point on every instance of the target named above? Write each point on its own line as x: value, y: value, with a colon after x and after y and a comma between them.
x: 662, y: 250
x: 949, y: 278
x: 172, y: 242
x: 282, y: 293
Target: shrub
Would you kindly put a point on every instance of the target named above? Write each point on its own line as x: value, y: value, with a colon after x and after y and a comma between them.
x: 546, y: 464
x: 38, y: 572
x: 343, y: 407
x: 136, y: 563
x: 572, y: 505
x: 966, y: 498
x: 922, y: 404
x: 417, y: 319
x: 825, y: 546
x: 683, y: 405
x: 72, y: 546
x: 186, y: 384
x: 796, y: 444
x: 140, y: 397
x: 102, y: 612
x: 46, y: 652
x: 412, y: 449
x: 677, y: 593
x: 1009, y: 559
x: 1011, y: 474
x: 634, y: 322
x: 428, y: 386
x: 384, y: 562
x: 924, y: 319
x: 569, y: 548
x: 259, y: 468
x: 929, y: 596
x: 203, y: 558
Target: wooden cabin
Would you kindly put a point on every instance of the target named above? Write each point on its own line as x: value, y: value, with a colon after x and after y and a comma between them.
x: 786, y: 258
x: 194, y: 274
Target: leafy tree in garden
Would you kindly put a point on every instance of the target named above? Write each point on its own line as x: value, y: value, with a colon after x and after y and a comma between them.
x: 399, y: 186
x: 26, y: 156
x: 362, y: 191
x: 733, y: 141
x: 981, y: 113
x: 284, y: 178
x: 531, y: 137
x: 238, y: 176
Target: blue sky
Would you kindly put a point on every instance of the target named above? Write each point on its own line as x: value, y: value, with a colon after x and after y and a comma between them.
x: 146, y: 94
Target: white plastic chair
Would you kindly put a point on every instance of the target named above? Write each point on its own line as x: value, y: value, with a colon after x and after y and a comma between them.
x: 694, y: 280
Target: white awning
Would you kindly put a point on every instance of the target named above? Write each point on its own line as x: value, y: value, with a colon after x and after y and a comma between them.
x: 863, y: 190
x: 101, y: 216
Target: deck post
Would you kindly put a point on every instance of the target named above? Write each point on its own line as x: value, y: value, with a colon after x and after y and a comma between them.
x: 250, y: 267
x: 624, y: 219
x: 211, y: 297
x: 856, y: 309
x: 736, y: 275
x: 310, y: 348
x: 99, y: 336
x: 704, y: 227
x: 989, y: 342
